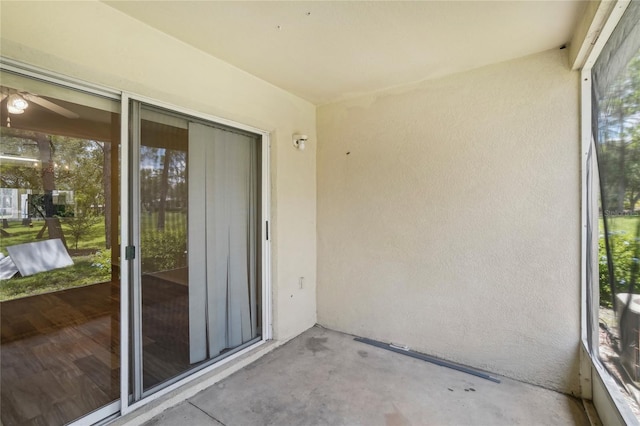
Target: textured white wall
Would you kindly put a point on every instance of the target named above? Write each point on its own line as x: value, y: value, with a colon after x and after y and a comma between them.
x: 94, y: 42
x: 448, y: 218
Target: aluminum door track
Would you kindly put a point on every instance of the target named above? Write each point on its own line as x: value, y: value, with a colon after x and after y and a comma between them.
x: 431, y: 359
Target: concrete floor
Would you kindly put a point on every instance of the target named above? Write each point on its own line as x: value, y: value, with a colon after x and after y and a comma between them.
x: 326, y: 378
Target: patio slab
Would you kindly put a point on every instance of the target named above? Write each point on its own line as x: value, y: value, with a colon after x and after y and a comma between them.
x: 323, y: 377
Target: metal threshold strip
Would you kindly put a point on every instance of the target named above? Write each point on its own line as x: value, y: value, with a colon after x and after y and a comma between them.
x: 431, y: 359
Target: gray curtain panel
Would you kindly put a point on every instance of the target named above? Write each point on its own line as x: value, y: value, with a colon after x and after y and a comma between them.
x: 223, y: 203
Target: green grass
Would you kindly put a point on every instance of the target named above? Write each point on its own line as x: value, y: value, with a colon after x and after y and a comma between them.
x: 19, y: 234
x: 80, y: 274
x: 173, y: 221
x: 624, y: 224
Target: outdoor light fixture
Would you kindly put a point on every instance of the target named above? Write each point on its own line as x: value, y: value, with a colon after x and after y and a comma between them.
x: 16, y: 104
x: 299, y: 141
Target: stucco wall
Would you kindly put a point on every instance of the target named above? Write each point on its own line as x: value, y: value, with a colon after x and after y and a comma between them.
x: 448, y: 218
x: 94, y: 42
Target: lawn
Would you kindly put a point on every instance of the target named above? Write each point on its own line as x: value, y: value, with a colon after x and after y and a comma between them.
x: 160, y: 250
x: 19, y: 234
x: 627, y: 225
x: 83, y: 272
x: 88, y: 267
x: 623, y: 245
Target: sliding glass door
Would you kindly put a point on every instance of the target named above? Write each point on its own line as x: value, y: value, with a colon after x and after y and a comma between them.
x: 132, y: 252
x: 196, y: 220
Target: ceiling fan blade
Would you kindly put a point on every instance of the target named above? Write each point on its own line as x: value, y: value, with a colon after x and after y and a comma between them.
x: 50, y: 106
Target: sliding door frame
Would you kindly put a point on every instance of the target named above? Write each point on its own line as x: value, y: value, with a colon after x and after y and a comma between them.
x: 131, y: 308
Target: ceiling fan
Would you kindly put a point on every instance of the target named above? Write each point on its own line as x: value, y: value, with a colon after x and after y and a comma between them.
x: 17, y: 102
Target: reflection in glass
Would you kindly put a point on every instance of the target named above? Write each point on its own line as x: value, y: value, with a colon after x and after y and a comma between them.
x: 163, y: 250
x: 59, y: 289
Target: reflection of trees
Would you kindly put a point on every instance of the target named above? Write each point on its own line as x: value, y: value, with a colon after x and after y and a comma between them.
x: 619, y: 147
x: 84, y: 167
x: 66, y: 163
x: 46, y: 148
x: 163, y: 182
x: 18, y: 175
x: 164, y: 188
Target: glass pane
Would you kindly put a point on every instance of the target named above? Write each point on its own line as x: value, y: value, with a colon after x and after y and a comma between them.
x: 59, y: 249
x: 199, y: 245
x: 163, y: 248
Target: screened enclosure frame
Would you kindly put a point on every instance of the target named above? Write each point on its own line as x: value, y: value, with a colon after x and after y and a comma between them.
x: 597, y: 384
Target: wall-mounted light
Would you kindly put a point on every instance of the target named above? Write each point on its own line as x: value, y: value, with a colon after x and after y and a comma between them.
x: 299, y: 141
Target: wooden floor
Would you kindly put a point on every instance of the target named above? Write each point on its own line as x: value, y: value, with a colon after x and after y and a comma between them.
x: 165, y: 330
x: 60, y: 355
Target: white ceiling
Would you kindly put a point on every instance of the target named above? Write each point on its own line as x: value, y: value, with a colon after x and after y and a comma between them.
x: 327, y: 51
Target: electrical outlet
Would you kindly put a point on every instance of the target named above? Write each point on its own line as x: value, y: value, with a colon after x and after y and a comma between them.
x: 301, y: 282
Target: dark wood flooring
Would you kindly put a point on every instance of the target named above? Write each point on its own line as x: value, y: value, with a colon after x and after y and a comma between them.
x: 165, y: 330
x: 59, y: 356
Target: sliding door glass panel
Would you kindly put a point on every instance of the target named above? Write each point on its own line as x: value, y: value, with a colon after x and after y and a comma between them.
x: 59, y: 252
x: 163, y: 246
x: 199, y: 249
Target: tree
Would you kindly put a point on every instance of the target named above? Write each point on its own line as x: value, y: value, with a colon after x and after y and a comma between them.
x: 164, y: 189
x: 632, y: 172
x: 45, y: 146
x: 106, y: 187
x: 619, y: 144
x: 46, y: 151
x: 65, y: 163
x: 19, y: 174
x: 618, y: 150
x: 80, y: 225
x: 163, y: 181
